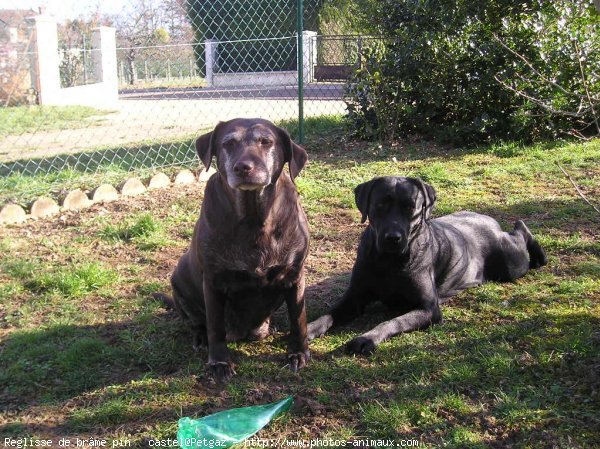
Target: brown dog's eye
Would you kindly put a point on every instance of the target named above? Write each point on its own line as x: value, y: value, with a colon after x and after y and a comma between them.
x: 229, y: 143
x: 265, y: 141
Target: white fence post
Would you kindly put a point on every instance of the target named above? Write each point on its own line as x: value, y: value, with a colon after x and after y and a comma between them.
x: 210, y: 54
x: 105, y: 92
x: 46, y: 61
x: 104, y: 57
x: 309, y: 58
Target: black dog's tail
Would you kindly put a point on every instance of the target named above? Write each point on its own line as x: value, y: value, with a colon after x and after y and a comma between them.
x: 537, y: 255
x: 167, y: 301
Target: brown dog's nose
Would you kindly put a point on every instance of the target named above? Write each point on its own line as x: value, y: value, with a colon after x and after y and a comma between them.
x: 243, y: 167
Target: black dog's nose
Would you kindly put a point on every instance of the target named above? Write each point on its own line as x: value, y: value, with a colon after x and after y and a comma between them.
x: 393, y: 237
x: 243, y: 167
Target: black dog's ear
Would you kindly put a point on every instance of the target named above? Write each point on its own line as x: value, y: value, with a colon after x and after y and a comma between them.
x: 295, y: 155
x: 362, y: 197
x: 429, y: 197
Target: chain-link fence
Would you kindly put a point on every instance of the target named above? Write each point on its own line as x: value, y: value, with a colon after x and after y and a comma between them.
x: 135, y: 87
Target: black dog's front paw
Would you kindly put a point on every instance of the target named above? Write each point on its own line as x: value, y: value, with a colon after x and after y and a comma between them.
x: 361, y: 346
x: 298, y: 360
x: 221, y: 371
x: 318, y: 327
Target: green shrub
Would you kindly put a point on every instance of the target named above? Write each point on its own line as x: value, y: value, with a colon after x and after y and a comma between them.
x: 472, y: 71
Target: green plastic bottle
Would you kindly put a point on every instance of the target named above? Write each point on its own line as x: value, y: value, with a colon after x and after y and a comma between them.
x: 226, y: 428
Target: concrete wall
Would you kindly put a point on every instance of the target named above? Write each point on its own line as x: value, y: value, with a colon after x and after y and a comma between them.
x: 258, y: 79
x: 283, y: 78
x: 46, y: 62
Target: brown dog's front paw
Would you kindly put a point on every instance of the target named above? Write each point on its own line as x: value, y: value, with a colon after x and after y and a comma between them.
x: 361, y: 346
x: 199, y: 342
x: 221, y: 371
x: 298, y: 360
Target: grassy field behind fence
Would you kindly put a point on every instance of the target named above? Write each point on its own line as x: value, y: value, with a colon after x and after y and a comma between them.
x: 84, y: 351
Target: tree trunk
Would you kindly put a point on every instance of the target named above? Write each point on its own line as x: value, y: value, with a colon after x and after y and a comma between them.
x: 131, y: 72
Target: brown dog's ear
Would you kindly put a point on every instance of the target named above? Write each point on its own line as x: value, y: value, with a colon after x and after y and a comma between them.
x: 205, y: 148
x: 295, y: 155
x: 206, y: 145
x: 429, y: 197
x: 297, y: 160
x: 362, y: 197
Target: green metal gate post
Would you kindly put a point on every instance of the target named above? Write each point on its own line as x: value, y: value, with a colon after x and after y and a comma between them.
x: 300, y: 28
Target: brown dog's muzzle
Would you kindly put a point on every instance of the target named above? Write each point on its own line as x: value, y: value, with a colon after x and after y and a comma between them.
x: 248, y: 172
x: 243, y: 168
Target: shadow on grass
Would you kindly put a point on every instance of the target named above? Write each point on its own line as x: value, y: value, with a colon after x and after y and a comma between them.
x: 147, y: 155
x: 528, y: 380
x: 532, y: 373
x: 337, y: 145
x: 45, y: 366
x: 567, y: 216
x: 61, y: 361
x: 536, y: 376
x: 22, y: 181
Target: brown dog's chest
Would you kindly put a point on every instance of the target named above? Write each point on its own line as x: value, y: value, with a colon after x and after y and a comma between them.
x: 237, y: 281
x: 259, y: 263
x: 262, y: 248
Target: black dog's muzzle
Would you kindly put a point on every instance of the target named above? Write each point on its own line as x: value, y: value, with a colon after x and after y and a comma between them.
x: 393, y: 241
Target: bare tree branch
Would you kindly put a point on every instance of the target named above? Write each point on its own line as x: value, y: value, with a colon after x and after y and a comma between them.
x: 577, y: 188
x: 540, y: 102
x: 531, y: 66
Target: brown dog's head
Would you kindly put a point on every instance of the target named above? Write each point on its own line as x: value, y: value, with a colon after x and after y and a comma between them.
x: 250, y: 153
x: 396, y: 207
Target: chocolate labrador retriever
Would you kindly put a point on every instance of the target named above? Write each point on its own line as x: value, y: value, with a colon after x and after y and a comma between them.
x: 413, y: 263
x: 249, y: 245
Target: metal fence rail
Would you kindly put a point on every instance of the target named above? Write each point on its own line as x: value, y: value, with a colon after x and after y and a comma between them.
x: 230, y: 62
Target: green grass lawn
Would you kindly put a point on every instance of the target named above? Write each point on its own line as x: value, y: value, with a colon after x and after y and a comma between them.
x: 85, y: 352
x: 22, y: 119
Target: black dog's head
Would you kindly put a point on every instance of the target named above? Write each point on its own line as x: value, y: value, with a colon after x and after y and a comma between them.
x: 250, y: 153
x: 396, y: 207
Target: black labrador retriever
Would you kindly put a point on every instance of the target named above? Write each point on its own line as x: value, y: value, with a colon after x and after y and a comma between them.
x: 249, y: 245
x: 413, y: 263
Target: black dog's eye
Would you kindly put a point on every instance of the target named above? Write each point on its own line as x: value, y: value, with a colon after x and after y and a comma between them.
x: 265, y: 141
x: 384, y: 202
